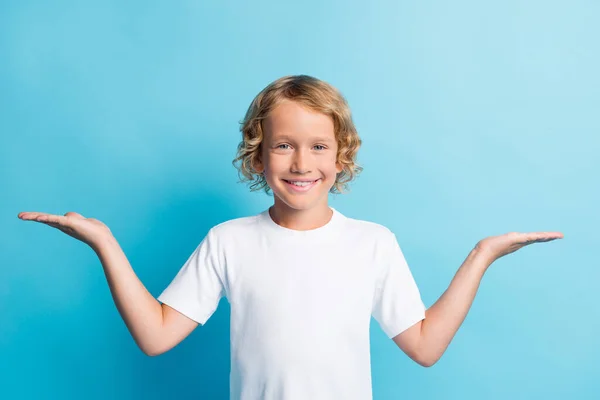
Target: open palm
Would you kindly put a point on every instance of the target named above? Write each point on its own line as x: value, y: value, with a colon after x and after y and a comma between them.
x: 499, y: 246
x: 88, y: 230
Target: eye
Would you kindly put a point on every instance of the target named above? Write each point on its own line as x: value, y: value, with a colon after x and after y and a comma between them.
x: 320, y: 145
x: 279, y: 146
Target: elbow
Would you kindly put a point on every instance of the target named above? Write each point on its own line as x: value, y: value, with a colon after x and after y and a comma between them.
x: 427, y: 361
x: 147, y: 352
x: 150, y: 348
x: 151, y: 351
x: 426, y: 364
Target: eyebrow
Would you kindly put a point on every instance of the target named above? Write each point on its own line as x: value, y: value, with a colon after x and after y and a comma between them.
x: 316, y: 138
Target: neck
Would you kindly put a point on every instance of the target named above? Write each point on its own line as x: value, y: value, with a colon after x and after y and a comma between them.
x: 300, y: 220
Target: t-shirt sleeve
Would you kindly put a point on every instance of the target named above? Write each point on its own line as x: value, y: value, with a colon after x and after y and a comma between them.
x: 198, y: 286
x: 397, y: 303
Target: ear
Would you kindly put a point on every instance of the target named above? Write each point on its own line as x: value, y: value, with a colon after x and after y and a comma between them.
x: 258, y: 166
x: 339, y: 167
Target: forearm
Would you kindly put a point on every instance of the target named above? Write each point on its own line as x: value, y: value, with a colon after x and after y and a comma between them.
x: 443, y: 318
x: 140, y: 311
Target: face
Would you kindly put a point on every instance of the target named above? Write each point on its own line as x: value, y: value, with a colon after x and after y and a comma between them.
x: 299, y: 156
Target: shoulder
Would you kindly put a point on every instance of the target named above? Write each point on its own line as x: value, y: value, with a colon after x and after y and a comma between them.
x: 234, y: 227
x: 230, y: 236
x: 367, y: 236
x: 367, y: 228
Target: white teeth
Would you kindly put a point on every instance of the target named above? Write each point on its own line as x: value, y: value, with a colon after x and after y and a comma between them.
x: 301, y: 183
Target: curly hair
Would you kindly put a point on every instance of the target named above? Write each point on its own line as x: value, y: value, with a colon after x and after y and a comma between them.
x: 317, y: 95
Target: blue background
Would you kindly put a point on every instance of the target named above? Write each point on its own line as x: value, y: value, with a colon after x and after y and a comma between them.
x: 477, y: 119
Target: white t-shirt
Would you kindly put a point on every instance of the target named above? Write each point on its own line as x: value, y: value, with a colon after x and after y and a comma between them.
x: 301, y: 303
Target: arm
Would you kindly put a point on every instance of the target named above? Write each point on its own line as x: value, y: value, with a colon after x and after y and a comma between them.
x: 427, y: 340
x: 155, y: 328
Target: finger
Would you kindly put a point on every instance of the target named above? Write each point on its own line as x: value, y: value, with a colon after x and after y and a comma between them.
x: 31, y: 215
x: 55, y: 219
x: 74, y: 214
x: 58, y: 220
x: 550, y: 235
x: 543, y: 236
x: 52, y: 224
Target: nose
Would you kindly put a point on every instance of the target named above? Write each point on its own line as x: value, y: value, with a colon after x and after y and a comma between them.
x: 300, y: 163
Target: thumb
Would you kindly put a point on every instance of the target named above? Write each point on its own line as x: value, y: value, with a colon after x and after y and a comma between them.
x: 74, y: 214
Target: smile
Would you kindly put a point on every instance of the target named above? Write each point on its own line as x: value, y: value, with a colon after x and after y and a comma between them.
x: 301, y: 186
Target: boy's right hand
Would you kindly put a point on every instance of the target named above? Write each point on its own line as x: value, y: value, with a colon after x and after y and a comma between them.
x: 88, y: 230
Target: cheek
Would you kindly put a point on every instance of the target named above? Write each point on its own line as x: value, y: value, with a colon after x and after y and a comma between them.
x: 330, y: 165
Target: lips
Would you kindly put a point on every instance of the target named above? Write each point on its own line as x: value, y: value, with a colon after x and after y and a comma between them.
x: 303, y: 181
x: 303, y: 188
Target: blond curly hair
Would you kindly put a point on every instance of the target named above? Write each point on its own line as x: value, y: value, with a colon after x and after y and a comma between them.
x: 317, y: 95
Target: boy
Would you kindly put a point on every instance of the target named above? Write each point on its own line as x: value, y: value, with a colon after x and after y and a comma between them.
x: 303, y: 280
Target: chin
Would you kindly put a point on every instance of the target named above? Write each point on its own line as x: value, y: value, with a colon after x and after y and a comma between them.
x: 300, y: 202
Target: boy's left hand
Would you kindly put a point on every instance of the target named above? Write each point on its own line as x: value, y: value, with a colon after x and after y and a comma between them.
x: 499, y: 246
